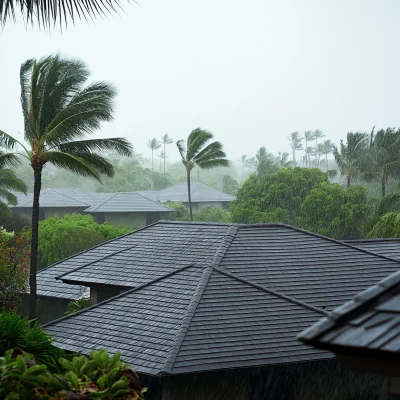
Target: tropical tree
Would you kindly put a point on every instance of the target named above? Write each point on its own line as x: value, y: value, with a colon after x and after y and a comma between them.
x: 283, y: 160
x: 317, y: 135
x: 58, y: 113
x: 265, y: 162
x: 153, y: 144
x: 309, y: 152
x: 165, y: 140
x: 383, y: 156
x: 349, y: 156
x: 328, y: 147
x: 295, y: 144
x: 9, y: 183
x: 318, y: 153
x: 46, y: 12
x: 197, y: 153
x: 308, y: 136
x: 229, y: 185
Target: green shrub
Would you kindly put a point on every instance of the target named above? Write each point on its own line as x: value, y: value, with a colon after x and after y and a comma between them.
x: 77, y: 305
x: 18, y: 332
x: 212, y: 214
x: 97, y: 377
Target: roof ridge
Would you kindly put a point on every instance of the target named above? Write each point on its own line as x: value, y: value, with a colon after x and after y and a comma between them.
x: 94, y: 247
x: 153, y: 201
x: 272, y: 291
x: 167, y: 275
x: 98, y: 205
x: 187, y: 319
x: 372, y: 240
x: 72, y: 198
x: 192, y: 307
x: 295, y: 228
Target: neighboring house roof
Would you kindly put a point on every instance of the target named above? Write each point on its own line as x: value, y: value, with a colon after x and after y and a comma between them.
x: 368, y: 325
x: 53, y: 198
x: 312, y: 268
x: 211, y: 296
x: 179, y: 193
x: 385, y: 247
x: 128, y: 202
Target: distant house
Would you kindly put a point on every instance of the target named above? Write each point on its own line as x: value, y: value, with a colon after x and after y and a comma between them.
x: 120, y: 209
x: 202, y: 196
x: 213, y: 311
x: 364, y: 333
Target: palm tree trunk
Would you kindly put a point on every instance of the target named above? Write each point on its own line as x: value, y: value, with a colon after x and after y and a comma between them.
x: 189, y: 195
x: 348, y: 177
x: 35, y: 241
x: 383, y: 186
x: 165, y: 156
x: 327, y: 169
x: 152, y: 169
x: 294, y: 157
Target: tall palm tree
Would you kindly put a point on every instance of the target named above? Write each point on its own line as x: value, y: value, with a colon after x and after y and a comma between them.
x: 308, y: 136
x: 58, y: 113
x: 153, y: 144
x: 9, y: 183
x: 328, y: 147
x: 197, y: 153
x: 266, y: 163
x: 46, y: 12
x: 383, y: 156
x: 295, y: 144
x: 166, y: 140
x: 317, y: 135
x: 309, y: 150
x: 283, y: 160
x: 350, y: 156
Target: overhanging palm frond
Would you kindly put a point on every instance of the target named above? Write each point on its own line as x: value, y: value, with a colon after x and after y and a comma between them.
x: 48, y: 12
x: 196, y: 140
x: 182, y: 148
x: 9, y: 142
x: 4, y: 208
x: 120, y: 145
x: 213, y: 149
x: 9, y: 160
x: 10, y: 197
x: 10, y: 181
x: 217, y: 162
x: 73, y: 163
x: 100, y: 163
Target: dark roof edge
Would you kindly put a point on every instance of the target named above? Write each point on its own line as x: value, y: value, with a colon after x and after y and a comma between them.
x: 192, y: 307
x: 219, y: 255
x: 95, y: 247
x: 372, y: 240
x: 175, y: 271
x: 272, y: 291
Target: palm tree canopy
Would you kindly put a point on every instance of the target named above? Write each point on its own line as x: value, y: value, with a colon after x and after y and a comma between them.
x: 295, y: 141
x: 309, y: 135
x: 48, y: 12
x: 328, y: 147
x: 153, y: 144
x: 196, y: 152
x: 165, y: 139
x: 59, y: 113
x: 318, y: 134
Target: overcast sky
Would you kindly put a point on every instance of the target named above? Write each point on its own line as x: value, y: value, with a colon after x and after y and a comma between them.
x: 249, y: 71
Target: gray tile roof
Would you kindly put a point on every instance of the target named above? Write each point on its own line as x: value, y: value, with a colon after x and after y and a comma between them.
x: 128, y: 202
x: 193, y: 319
x: 386, y: 247
x: 368, y: 325
x: 179, y: 193
x: 53, y: 198
x: 321, y: 271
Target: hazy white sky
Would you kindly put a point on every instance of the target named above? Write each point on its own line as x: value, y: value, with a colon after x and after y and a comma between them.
x: 251, y: 72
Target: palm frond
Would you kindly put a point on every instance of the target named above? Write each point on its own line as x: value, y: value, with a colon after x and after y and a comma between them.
x: 153, y: 144
x: 83, y: 115
x: 196, y: 140
x: 120, y: 145
x: 9, y: 142
x: 25, y: 82
x: 73, y: 163
x: 10, y: 181
x: 216, y: 162
x: 49, y: 12
x: 4, y: 210
x: 10, y: 197
x: 182, y: 148
x: 98, y: 162
x: 165, y: 139
x: 213, y: 150
x: 9, y: 160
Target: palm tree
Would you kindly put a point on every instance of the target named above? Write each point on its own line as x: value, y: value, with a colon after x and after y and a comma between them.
x: 265, y: 162
x: 317, y: 135
x: 350, y: 156
x: 166, y: 140
x: 308, y: 136
x: 46, y: 12
x: 153, y: 144
x: 283, y: 161
x: 9, y: 183
x: 58, y: 113
x: 383, y: 156
x: 295, y: 144
x: 309, y: 151
x: 197, y: 153
x: 328, y: 147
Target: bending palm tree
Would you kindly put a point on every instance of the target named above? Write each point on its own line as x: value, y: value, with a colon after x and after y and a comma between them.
x: 153, y: 144
x: 317, y: 135
x: 308, y: 136
x: 58, y: 111
x: 9, y: 183
x: 295, y: 144
x: 166, y: 140
x: 198, y: 153
x: 47, y: 11
x: 327, y: 149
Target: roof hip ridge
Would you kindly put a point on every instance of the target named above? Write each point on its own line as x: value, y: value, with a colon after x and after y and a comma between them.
x: 70, y: 197
x: 108, y: 198
x: 194, y: 302
x: 272, y: 291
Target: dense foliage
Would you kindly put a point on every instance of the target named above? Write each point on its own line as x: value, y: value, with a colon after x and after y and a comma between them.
x: 275, y: 198
x: 213, y: 214
x: 14, y: 267
x: 62, y: 237
x: 97, y: 377
x: 77, y: 305
x: 18, y: 332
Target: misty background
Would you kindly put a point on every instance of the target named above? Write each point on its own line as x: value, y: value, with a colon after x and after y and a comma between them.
x: 250, y: 72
